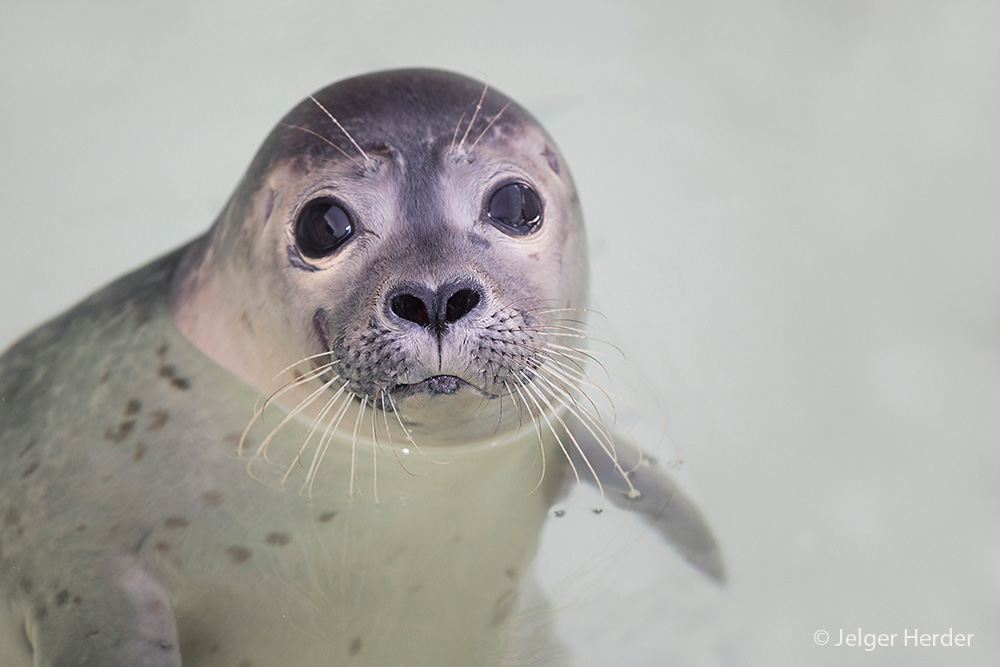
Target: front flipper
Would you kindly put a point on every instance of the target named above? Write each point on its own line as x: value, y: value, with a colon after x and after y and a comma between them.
x: 113, y: 614
x: 659, y: 499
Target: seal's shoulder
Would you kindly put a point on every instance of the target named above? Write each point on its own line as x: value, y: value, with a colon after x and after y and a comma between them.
x: 106, y: 319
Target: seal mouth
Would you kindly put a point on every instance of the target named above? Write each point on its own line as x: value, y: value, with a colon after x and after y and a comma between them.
x: 435, y: 386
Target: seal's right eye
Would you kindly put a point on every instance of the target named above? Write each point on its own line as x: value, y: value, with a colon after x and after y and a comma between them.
x: 322, y: 227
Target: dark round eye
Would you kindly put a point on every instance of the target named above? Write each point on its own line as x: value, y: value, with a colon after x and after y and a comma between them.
x: 515, y: 209
x: 322, y: 227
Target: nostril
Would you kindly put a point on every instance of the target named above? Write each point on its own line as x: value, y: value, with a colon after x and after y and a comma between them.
x: 410, y: 308
x: 460, y: 304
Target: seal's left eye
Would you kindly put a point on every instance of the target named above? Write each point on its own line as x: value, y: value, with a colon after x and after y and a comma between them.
x: 515, y: 209
x: 322, y: 227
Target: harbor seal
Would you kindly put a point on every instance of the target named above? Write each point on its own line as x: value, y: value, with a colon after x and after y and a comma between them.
x: 330, y: 430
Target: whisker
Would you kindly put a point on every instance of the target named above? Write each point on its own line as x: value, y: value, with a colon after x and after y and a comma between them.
x: 312, y: 430
x: 354, y: 449
x: 541, y: 441
x: 603, y: 439
x: 262, y: 448
x: 572, y: 438
x: 320, y: 136
x: 346, y: 133
x: 388, y: 432
x: 455, y: 133
x: 472, y: 121
x: 488, y: 126
x: 409, y: 437
x: 324, y: 442
x: 541, y: 413
x: 302, y: 379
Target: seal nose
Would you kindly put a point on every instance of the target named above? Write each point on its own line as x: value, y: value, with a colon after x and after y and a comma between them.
x: 434, y: 309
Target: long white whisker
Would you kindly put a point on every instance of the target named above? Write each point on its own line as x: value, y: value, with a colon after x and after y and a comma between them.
x: 479, y: 105
x: 262, y: 448
x: 324, y: 442
x: 346, y: 133
x: 603, y: 439
x: 354, y: 447
x: 409, y: 437
x: 488, y: 126
x: 320, y: 136
x: 541, y: 413
x: 538, y: 432
x: 572, y: 438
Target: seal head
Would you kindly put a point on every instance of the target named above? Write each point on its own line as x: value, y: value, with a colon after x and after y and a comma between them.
x: 410, y: 241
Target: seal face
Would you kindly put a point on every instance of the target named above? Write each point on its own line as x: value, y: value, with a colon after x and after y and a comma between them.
x: 411, y: 234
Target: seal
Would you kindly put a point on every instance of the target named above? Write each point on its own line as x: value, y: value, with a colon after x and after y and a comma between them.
x: 328, y: 431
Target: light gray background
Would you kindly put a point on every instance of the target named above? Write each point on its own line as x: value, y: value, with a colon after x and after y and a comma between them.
x: 793, y: 211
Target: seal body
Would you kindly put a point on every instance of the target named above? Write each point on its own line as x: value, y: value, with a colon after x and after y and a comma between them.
x: 328, y: 431
x: 385, y: 273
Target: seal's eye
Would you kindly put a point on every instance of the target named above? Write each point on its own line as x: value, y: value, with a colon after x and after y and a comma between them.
x: 322, y: 227
x: 515, y: 209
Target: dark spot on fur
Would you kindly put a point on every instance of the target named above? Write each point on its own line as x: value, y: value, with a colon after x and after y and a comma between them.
x: 176, y: 522
x: 503, y: 606
x: 355, y: 646
x: 170, y: 373
x: 30, y: 469
x: 559, y: 512
x: 161, y: 546
x: 141, y: 319
x: 319, y: 324
x: 92, y: 633
x: 162, y: 350
x: 511, y: 572
x: 132, y: 407
x: 27, y: 447
x: 268, y: 205
x: 239, y: 554
x: 62, y: 597
x: 598, y: 510
x: 26, y: 584
x: 326, y: 517
x: 118, y: 436
x: 113, y: 530
x: 154, y: 605
x: 245, y: 320
x: 212, y: 498
x: 40, y: 612
x: 77, y: 600
x: 278, y: 539
x: 82, y: 528
x: 11, y: 517
x: 157, y: 420
x: 478, y: 240
x: 104, y: 378
x: 551, y: 158
x: 234, y: 440
x: 140, y: 451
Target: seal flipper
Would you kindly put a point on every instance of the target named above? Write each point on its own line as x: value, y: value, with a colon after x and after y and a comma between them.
x: 117, y: 615
x: 660, y: 501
